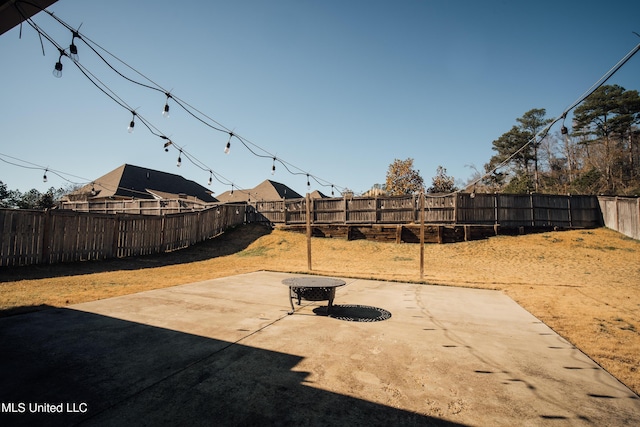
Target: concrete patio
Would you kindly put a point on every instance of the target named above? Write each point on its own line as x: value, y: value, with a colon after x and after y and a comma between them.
x: 225, y: 352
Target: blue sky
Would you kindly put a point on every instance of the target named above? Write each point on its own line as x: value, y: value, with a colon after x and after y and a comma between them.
x: 337, y: 89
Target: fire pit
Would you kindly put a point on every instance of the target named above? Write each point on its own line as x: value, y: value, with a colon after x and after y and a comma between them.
x: 312, y: 289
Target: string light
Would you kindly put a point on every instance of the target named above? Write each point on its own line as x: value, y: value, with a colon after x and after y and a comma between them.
x: 73, y: 49
x: 44, y: 177
x: 563, y: 129
x: 165, y: 111
x: 227, y: 148
x: 166, y: 146
x: 57, y: 69
x: 210, y: 177
x: 273, y: 167
x: 132, y: 124
x: 179, y: 159
x: 73, y: 55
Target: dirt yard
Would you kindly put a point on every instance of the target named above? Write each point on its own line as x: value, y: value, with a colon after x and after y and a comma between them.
x: 585, y: 284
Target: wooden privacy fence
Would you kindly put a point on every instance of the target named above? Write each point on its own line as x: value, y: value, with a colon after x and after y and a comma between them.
x: 136, y: 206
x: 621, y: 214
x: 505, y: 210
x: 38, y: 237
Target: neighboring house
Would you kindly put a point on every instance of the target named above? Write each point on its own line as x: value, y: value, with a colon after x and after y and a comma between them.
x: 317, y: 195
x: 129, y: 182
x: 375, y: 191
x: 265, y: 191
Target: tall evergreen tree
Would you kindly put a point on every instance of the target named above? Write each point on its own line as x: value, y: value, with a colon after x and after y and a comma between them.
x: 531, y: 123
x: 607, y: 122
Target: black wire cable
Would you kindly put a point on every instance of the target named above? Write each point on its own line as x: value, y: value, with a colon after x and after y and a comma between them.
x: 111, y: 94
x: 543, y: 133
x: 181, y: 103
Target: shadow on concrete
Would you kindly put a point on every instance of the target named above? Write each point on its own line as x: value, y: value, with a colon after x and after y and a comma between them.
x: 228, y: 243
x: 355, y: 313
x: 99, y: 370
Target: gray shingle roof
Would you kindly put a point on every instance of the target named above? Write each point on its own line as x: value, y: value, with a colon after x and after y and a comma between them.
x: 135, y: 182
x: 266, y: 190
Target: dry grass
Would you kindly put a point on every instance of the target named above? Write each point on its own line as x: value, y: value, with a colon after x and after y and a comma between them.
x: 585, y: 284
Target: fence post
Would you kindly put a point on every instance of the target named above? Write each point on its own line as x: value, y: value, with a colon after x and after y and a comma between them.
x: 116, y: 232
x: 637, y: 224
x: 455, y: 208
x: 308, y: 207
x: 421, y: 235
x: 533, y: 216
x: 163, y: 235
x: 344, y: 208
x: 285, y: 210
x: 496, y: 208
x: 46, y: 233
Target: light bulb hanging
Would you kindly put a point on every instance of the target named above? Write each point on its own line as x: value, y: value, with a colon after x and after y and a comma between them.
x: 132, y: 124
x: 231, y: 188
x: 210, y: 177
x: 179, y: 159
x: 227, y: 148
x: 166, y: 146
x: 308, y: 183
x: 563, y: 129
x: 273, y: 167
x: 165, y: 111
x: 332, y: 190
x: 57, y: 69
x: 73, y: 49
x: 44, y: 177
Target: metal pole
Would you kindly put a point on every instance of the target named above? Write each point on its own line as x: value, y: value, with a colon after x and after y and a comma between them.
x: 421, y: 235
x: 308, y: 206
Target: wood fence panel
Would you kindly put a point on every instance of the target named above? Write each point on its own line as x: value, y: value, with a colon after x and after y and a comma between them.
x: 274, y: 212
x: 33, y: 237
x: 609, y: 211
x: 295, y: 211
x: 621, y: 214
x: 174, y: 232
x: 440, y: 210
x: 476, y: 208
x: 514, y: 210
x: 396, y: 209
x: 361, y: 210
x: 329, y: 210
x: 628, y: 217
x: 138, y: 206
x: 550, y: 210
x: 585, y: 211
x: 20, y: 244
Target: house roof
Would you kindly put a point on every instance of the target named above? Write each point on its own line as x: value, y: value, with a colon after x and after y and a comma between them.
x: 135, y: 182
x: 316, y: 194
x: 266, y: 190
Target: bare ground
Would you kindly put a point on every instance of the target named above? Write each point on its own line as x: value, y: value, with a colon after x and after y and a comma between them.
x: 585, y: 284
